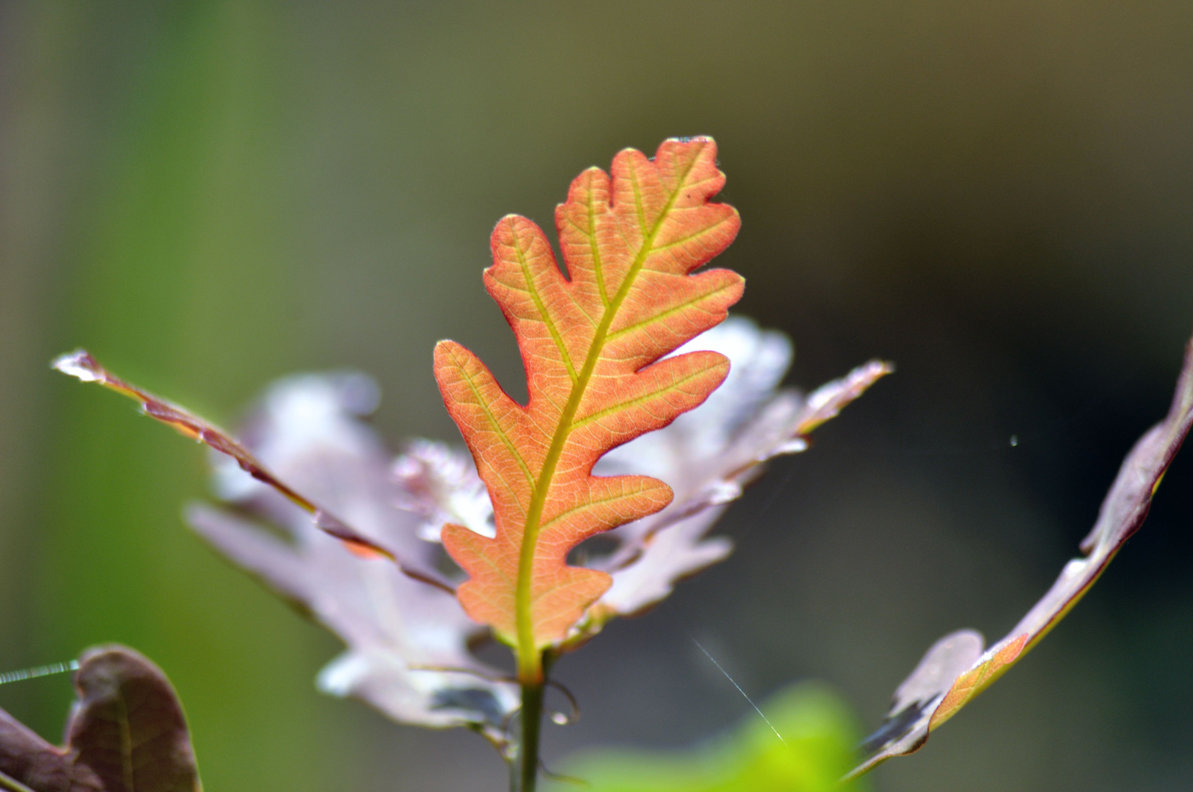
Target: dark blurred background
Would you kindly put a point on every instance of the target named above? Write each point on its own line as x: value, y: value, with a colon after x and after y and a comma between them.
x: 997, y: 197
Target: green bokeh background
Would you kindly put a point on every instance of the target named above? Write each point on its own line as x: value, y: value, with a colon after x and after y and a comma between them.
x: 998, y: 197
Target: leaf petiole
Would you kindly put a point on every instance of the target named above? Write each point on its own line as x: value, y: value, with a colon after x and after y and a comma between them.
x: 525, y: 776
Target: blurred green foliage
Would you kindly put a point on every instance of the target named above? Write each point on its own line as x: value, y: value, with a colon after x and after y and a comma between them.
x: 813, y: 749
x: 209, y: 195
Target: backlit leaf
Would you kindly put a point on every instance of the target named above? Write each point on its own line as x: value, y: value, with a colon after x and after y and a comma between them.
x: 591, y: 343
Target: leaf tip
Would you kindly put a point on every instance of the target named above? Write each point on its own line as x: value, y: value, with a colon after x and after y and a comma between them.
x: 689, y: 140
x: 78, y: 364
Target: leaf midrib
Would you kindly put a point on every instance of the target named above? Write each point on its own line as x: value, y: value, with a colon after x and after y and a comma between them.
x: 529, y: 659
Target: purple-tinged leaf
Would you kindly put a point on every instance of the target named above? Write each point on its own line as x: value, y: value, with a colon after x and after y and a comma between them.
x: 955, y: 670
x: 407, y: 641
x: 82, y: 366
x: 126, y: 733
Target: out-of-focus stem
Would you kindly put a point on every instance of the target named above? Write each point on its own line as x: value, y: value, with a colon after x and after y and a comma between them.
x: 526, y: 775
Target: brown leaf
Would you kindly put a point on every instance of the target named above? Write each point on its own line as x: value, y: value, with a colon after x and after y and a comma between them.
x: 126, y: 733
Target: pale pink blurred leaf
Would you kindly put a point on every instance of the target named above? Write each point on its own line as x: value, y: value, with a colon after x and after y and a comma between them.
x: 707, y: 456
x: 407, y: 642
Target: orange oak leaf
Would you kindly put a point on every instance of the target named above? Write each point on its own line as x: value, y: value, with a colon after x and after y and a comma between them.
x: 591, y: 343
